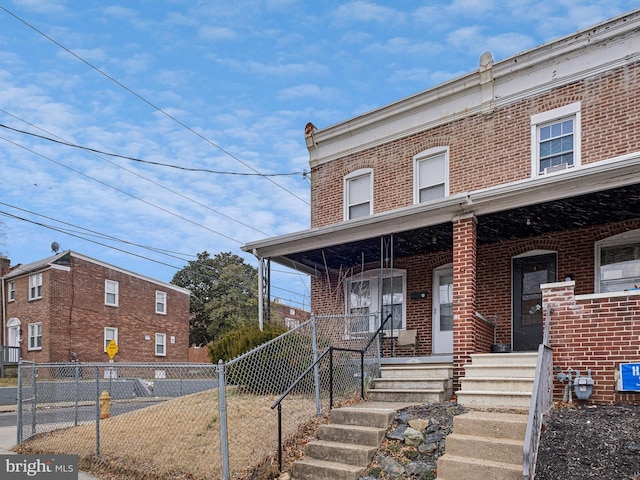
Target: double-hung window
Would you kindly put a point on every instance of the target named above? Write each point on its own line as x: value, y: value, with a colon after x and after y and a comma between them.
x: 110, y: 333
x: 372, y: 299
x: 161, y: 302
x: 11, y: 291
x: 431, y: 174
x: 358, y: 194
x: 618, y: 263
x: 161, y: 344
x: 35, y: 336
x: 35, y: 286
x: 555, y: 140
x: 111, y: 293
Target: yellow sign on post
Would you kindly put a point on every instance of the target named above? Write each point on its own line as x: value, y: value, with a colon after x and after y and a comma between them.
x: 112, y: 349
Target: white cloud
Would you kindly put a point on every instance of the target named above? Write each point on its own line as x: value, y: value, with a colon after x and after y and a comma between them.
x: 362, y: 11
x: 209, y: 32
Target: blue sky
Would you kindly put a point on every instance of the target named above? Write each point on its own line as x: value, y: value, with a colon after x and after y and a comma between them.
x: 215, y: 86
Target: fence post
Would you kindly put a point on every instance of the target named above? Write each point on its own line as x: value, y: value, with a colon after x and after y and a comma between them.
x: 97, y: 410
x: 19, y: 405
x: 77, y: 393
x: 316, y: 372
x: 34, y: 405
x: 222, y: 413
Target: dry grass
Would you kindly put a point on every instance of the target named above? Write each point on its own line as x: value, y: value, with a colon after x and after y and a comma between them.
x: 180, y: 438
x: 8, y: 382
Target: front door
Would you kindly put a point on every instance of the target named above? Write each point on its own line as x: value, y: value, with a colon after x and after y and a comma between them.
x: 442, y: 330
x: 528, y: 274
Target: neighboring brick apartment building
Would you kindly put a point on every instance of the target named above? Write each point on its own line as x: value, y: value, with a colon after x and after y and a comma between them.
x: 68, y: 307
x: 468, y: 197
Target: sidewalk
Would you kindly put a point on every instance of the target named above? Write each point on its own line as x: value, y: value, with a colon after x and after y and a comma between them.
x: 8, y: 436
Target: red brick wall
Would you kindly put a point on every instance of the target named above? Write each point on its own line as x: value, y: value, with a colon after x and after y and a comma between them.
x: 73, y: 315
x: 596, y: 334
x: 610, y: 122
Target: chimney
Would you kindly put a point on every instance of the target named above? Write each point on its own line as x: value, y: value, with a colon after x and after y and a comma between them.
x: 5, y: 265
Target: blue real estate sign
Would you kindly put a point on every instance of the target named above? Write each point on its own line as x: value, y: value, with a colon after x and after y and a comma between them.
x: 630, y: 376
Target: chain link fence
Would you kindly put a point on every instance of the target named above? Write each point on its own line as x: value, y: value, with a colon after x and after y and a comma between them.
x: 196, y: 421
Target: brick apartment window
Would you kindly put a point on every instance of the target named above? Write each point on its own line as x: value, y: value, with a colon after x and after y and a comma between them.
x: 431, y: 175
x: 358, y: 192
x: 618, y: 263
x: 35, y: 336
x: 368, y: 297
x: 555, y: 139
x: 11, y: 291
x: 35, y: 286
x: 110, y: 333
x: 111, y: 293
x: 161, y: 344
x: 161, y: 302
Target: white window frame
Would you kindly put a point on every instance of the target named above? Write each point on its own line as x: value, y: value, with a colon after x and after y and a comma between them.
x: 424, y: 157
x: 11, y: 291
x: 363, y: 172
x: 625, y: 238
x: 161, y: 302
x: 542, y: 119
x: 110, y: 333
x: 376, y: 302
x: 34, y: 336
x: 111, y: 287
x: 161, y: 340
x: 35, y: 286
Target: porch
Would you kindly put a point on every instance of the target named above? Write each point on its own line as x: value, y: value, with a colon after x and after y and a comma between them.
x: 9, y: 358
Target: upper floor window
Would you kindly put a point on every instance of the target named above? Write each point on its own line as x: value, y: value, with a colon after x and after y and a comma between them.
x: 11, y: 291
x: 618, y: 263
x: 161, y: 344
x: 35, y: 286
x: 358, y: 194
x: 111, y: 293
x: 35, y: 336
x: 371, y: 300
x: 431, y: 175
x: 161, y: 302
x: 110, y: 333
x: 555, y: 139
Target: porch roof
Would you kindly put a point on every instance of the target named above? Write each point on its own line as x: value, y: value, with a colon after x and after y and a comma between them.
x: 593, y: 194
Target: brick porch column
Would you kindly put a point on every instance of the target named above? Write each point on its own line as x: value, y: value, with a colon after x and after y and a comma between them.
x: 464, y: 293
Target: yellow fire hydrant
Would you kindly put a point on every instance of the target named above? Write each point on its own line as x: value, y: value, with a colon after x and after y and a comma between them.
x: 105, y: 404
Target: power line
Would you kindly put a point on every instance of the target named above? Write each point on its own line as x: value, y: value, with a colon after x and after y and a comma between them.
x: 152, y: 105
x: 149, y: 162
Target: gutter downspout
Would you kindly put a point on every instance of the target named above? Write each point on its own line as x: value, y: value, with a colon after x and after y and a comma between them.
x: 260, y: 291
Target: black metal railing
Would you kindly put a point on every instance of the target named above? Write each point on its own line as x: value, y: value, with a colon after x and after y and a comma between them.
x: 9, y: 356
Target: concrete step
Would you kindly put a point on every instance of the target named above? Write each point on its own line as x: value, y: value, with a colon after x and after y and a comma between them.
x: 453, y: 467
x: 491, y: 424
x: 520, y: 358
x: 506, y: 450
x: 379, y: 417
x: 417, y: 371
x: 412, y: 383
x: 495, y: 399
x: 314, y: 469
x: 492, y: 384
x: 338, y: 452
x: 500, y: 371
x: 406, y: 395
x: 351, y: 434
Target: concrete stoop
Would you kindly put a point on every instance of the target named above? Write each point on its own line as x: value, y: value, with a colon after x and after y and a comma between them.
x: 346, y: 446
x: 416, y: 383
x: 484, y: 445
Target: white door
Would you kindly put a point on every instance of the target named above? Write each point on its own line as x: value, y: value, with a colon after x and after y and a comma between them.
x: 13, y: 332
x: 442, y: 333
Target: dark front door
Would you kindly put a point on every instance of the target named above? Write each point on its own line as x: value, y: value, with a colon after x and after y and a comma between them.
x: 528, y: 274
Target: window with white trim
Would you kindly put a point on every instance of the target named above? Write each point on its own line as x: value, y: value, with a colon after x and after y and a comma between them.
x: 618, y: 263
x: 431, y: 174
x: 161, y: 302
x: 111, y: 293
x: 358, y: 194
x: 555, y: 140
x: 369, y: 298
x: 35, y: 286
x: 35, y: 336
x: 110, y: 333
x: 161, y: 344
x: 11, y: 291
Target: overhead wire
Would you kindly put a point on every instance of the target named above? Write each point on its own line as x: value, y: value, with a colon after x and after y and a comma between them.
x: 152, y: 105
